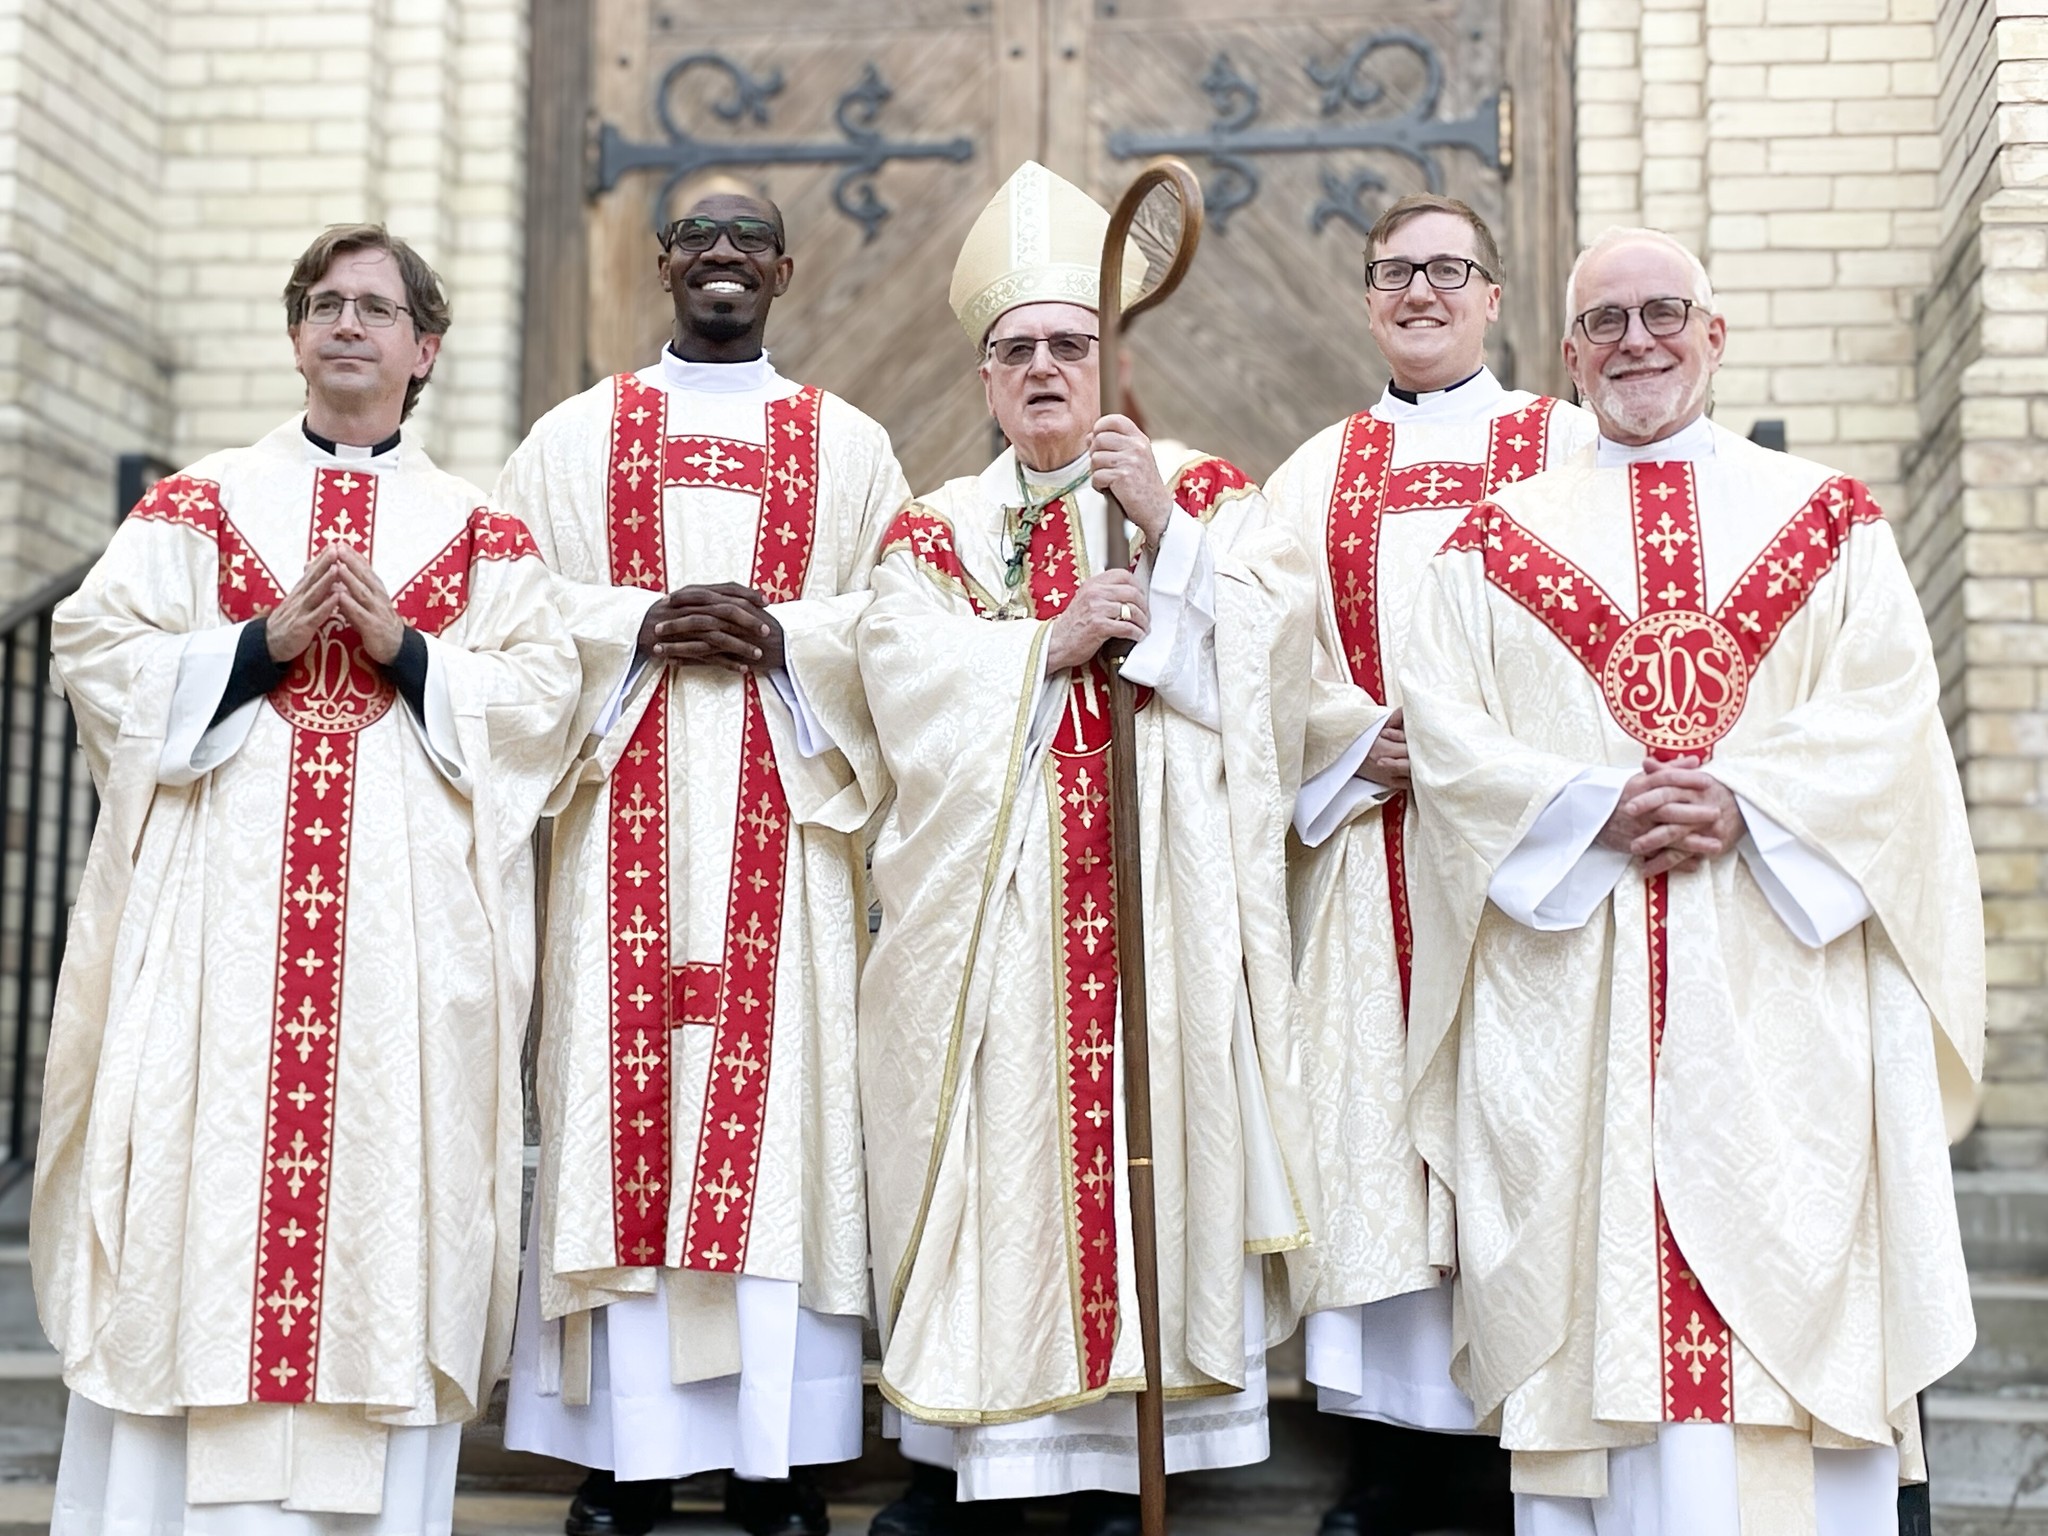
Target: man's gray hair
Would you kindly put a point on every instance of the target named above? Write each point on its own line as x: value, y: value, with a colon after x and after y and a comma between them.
x: 1608, y: 239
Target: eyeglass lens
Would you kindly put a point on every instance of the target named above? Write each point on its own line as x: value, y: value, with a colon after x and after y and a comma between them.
x: 750, y: 235
x: 371, y: 308
x: 1443, y: 273
x: 1065, y: 347
x: 1661, y: 317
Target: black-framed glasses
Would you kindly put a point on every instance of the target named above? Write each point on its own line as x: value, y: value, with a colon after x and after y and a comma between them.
x: 698, y: 233
x: 1392, y: 274
x: 325, y: 307
x: 1605, y: 324
x: 1017, y: 351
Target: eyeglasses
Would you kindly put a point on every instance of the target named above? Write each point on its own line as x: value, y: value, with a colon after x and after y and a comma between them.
x: 1444, y: 273
x: 371, y: 308
x: 1606, y: 324
x: 1017, y: 351
x: 700, y: 234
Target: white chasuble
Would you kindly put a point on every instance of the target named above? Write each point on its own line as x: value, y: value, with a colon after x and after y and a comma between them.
x: 278, y: 1185
x: 1377, y: 495
x: 990, y: 1060
x: 1699, y: 1155
x: 699, y: 1118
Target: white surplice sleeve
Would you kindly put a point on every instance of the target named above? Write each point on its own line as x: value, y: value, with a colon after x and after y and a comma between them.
x: 1177, y: 657
x: 1813, y: 895
x: 195, y: 745
x: 1557, y: 876
x: 1329, y: 799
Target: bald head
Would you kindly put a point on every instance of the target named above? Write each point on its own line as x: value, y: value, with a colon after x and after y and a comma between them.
x: 723, y: 264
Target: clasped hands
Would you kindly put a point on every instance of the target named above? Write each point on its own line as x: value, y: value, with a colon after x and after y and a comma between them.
x: 724, y: 625
x: 1672, y: 815
x: 338, y: 583
x: 1112, y: 606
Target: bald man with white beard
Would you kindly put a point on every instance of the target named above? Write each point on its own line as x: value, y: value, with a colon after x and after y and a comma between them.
x: 1706, y: 1000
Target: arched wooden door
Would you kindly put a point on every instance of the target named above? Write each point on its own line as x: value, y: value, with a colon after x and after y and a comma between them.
x: 881, y: 129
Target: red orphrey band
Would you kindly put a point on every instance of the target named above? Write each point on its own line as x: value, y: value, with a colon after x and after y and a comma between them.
x: 734, y: 996
x: 1676, y: 680
x: 332, y: 692
x: 1367, y: 488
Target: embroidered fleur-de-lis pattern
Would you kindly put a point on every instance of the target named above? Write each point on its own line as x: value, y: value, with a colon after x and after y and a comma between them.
x: 735, y: 997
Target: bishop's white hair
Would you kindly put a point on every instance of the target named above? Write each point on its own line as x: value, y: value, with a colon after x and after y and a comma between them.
x: 1608, y: 239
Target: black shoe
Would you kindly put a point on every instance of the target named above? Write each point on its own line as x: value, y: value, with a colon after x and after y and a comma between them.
x: 604, y: 1506
x: 928, y: 1507
x: 1094, y: 1513
x: 1369, y: 1511
x: 791, y: 1506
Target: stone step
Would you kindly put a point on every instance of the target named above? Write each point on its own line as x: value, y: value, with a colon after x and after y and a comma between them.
x: 2012, y: 1336
x: 2004, y: 1219
x: 1987, y: 1452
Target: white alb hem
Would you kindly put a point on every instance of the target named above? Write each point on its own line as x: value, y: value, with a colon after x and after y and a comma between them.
x: 1389, y: 1360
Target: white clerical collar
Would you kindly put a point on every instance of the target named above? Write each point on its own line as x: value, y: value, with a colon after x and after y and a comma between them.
x: 753, y: 376
x: 1466, y: 400
x: 999, y: 481
x: 350, y: 453
x: 1695, y: 440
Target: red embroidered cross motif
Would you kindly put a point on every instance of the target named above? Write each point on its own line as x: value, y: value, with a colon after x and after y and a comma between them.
x: 736, y: 996
x: 1366, y: 489
x: 1676, y: 680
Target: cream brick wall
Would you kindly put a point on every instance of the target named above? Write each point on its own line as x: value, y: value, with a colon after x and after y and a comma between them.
x: 160, y: 166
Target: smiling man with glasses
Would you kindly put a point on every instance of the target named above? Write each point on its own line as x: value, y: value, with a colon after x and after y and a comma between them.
x: 989, y: 1004
x: 697, y: 1276
x: 1375, y: 496
x: 1710, y: 979
x: 324, y: 691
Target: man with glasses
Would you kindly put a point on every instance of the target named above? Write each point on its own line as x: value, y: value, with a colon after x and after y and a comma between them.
x: 989, y: 1016
x: 1375, y: 496
x: 697, y: 1275
x: 1708, y: 972
x: 323, y: 691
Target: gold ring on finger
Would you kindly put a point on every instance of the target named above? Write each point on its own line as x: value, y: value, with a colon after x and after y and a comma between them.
x: 1123, y: 613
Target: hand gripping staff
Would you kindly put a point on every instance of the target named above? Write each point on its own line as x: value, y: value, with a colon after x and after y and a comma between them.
x: 1171, y: 177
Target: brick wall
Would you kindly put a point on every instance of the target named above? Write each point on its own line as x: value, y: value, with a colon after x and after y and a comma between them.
x: 168, y: 161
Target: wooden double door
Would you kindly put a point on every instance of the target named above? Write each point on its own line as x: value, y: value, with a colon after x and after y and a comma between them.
x: 882, y: 127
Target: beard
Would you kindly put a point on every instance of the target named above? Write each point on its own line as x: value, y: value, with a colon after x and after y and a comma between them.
x: 722, y: 324
x: 1647, y: 410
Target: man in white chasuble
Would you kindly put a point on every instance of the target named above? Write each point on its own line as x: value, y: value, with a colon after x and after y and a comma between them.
x: 989, y: 1020
x: 696, y: 1282
x: 1706, y: 998
x: 1374, y: 497
x: 324, y: 691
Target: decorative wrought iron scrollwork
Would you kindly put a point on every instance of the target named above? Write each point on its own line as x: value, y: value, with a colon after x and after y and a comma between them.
x: 683, y: 155
x: 1415, y: 133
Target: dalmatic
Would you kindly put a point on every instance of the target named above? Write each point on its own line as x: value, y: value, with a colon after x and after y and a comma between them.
x: 1662, y: 1124
x: 275, y: 1134
x: 1377, y: 498
x: 696, y: 1078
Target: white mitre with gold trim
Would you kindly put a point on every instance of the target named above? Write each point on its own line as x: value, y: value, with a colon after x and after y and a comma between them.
x: 1039, y: 241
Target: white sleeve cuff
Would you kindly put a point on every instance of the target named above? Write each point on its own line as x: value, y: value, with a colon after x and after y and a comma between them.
x: 1812, y: 894
x: 812, y: 739
x: 1334, y: 796
x: 1177, y: 657
x: 435, y: 725
x: 615, y: 706
x: 1557, y: 876
x: 194, y: 744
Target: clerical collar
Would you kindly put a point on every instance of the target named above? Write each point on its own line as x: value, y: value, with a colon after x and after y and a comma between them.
x: 1411, y: 397
x: 1695, y: 440
x: 348, y: 450
x: 1468, y: 399
x: 1037, y: 478
x: 749, y: 377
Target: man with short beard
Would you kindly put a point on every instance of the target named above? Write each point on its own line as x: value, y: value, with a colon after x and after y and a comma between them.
x: 1708, y: 985
x: 697, y: 1275
x: 1375, y: 496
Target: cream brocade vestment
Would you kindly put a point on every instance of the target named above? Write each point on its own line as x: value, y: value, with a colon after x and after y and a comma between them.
x: 278, y: 1186
x: 700, y: 1119
x: 1375, y: 496
x: 1776, y: 1246
x: 989, y: 1026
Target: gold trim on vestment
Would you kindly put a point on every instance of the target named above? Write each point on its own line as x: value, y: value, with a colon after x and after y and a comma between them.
x: 970, y: 1418
x: 950, y: 1082
x: 1069, y: 1194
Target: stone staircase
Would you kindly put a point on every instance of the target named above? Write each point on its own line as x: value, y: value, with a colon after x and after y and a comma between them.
x: 1986, y: 1424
